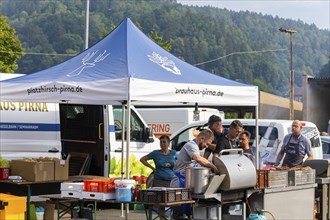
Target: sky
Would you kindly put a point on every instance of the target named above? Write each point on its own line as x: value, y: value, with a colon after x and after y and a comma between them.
x: 309, y: 11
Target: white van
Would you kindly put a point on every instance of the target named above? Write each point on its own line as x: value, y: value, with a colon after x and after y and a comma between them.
x: 34, y: 129
x: 271, y: 134
x: 55, y: 130
x: 166, y: 121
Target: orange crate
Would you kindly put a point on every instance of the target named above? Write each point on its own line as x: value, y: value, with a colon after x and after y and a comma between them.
x: 100, y: 185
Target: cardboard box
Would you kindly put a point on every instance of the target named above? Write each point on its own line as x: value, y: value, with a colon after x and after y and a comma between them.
x: 32, y: 170
x: 61, y: 169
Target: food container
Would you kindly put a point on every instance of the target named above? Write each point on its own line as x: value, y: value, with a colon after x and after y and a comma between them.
x: 123, y: 189
x: 197, y: 179
x: 4, y: 173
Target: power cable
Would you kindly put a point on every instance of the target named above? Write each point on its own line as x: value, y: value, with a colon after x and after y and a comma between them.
x: 31, y: 53
x: 236, y: 53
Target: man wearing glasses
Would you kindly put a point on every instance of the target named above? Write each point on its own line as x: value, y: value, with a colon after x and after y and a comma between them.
x: 244, y: 143
x: 229, y: 141
x: 295, y: 146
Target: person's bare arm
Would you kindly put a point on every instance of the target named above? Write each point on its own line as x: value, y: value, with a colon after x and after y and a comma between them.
x: 214, y: 156
x: 144, y: 161
x: 211, y: 146
x: 310, y: 157
x: 205, y: 163
x: 279, y: 157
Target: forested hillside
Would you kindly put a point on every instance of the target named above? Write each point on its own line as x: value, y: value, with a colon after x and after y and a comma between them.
x: 242, y: 46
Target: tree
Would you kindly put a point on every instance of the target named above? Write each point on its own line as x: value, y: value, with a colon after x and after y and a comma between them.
x: 10, y: 47
x: 159, y: 40
x: 325, y: 71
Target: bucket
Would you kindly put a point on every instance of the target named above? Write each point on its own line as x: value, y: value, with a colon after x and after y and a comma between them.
x: 40, y: 215
x: 124, y: 189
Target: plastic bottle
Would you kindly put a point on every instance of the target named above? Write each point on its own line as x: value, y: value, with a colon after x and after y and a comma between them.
x: 136, y: 178
x: 143, y: 182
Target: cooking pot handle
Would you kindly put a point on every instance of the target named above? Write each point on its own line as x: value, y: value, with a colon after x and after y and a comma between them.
x: 232, y: 151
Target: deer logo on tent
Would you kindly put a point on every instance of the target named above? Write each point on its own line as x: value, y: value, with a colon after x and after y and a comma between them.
x: 87, y: 62
x: 164, y: 62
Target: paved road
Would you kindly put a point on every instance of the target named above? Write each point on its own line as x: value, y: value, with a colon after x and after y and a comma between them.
x: 114, y: 214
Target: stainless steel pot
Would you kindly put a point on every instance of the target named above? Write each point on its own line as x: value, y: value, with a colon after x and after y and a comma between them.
x: 197, y: 179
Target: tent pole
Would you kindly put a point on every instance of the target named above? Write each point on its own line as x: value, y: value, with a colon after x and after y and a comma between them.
x: 128, y: 139
x: 122, y: 148
x: 257, y: 137
x: 123, y: 138
x: 86, y: 25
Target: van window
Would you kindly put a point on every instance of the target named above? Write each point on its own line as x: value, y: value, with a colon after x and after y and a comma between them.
x: 185, y: 136
x: 312, y: 134
x: 136, y: 125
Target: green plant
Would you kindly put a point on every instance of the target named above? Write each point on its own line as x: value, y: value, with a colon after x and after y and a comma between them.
x: 136, y: 167
x: 4, y: 163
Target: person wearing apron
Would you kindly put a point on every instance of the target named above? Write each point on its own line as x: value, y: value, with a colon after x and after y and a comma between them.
x: 295, y: 146
x: 190, y: 151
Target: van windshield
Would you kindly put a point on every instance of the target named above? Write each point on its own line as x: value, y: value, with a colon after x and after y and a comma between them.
x: 312, y: 134
x: 136, y: 125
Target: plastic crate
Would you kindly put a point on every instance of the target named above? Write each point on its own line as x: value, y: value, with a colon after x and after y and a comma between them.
x: 14, y: 207
x: 12, y: 216
x: 106, y: 185
x: 97, y: 195
x: 301, y: 177
x: 164, y: 195
x: 76, y: 187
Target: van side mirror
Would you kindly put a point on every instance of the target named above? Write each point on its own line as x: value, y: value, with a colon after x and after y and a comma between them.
x: 148, y: 136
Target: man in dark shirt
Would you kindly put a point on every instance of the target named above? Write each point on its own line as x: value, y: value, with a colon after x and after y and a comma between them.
x: 229, y: 141
x: 215, y: 125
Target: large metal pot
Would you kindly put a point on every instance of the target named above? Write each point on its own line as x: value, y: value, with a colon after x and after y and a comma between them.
x: 240, y: 171
x: 197, y: 179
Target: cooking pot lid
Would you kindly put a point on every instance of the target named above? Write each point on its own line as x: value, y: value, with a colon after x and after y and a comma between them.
x: 214, y: 184
x: 199, y: 168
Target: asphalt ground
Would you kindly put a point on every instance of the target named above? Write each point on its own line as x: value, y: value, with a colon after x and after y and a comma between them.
x: 106, y: 213
x: 111, y: 214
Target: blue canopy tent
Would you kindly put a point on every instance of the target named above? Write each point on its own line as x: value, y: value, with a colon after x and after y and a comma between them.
x: 127, y: 66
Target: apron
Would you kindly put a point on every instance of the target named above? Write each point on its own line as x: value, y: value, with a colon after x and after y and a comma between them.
x: 292, y: 157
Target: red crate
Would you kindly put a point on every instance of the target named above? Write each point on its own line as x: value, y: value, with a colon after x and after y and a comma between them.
x: 105, y: 185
